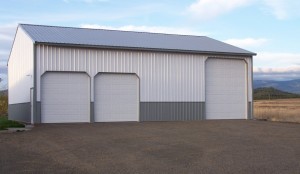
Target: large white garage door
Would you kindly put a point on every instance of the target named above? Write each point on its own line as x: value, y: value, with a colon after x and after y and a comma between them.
x: 65, y: 97
x: 116, y: 97
x: 226, y: 91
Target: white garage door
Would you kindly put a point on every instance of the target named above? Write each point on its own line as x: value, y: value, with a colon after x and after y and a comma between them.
x: 65, y: 97
x: 116, y: 97
x: 226, y: 92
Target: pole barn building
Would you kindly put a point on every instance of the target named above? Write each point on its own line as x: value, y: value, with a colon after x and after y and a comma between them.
x: 65, y: 75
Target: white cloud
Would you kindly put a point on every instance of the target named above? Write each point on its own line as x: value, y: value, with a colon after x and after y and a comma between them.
x: 5, y: 37
x: 278, y: 8
x: 280, y: 66
x: 247, y: 42
x: 283, y: 73
x: 207, y: 9
x: 283, y: 9
x: 3, y: 52
x: 152, y: 29
x: 290, y: 69
x: 7, y: 33
x: 91, y: 1
x: 273, y: 59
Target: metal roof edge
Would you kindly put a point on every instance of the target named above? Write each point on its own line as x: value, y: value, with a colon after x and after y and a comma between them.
x: 254, y: 54
x: 157, y: 33
x: 147, y: 49
x: 242, y: 51
x: 126, y: 31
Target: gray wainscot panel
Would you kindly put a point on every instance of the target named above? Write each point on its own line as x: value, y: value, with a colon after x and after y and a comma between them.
x: 171, y: 111
x: 19, y: 112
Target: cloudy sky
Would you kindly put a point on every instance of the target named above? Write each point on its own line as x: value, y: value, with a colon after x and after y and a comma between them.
x: 271, y: 28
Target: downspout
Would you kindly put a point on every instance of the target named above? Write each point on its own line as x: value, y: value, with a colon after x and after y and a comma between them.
x: 35, y: 117
x: 252, y: 116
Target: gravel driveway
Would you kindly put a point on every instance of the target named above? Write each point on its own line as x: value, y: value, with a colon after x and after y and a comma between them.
x: 231, y: 146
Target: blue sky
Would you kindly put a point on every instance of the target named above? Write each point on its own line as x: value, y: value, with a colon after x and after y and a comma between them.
x: 271, y: 28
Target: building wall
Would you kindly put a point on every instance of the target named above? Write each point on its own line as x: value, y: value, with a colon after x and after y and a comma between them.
x: 167, y: 80
x: 20, y: 77
x: 164, y: 77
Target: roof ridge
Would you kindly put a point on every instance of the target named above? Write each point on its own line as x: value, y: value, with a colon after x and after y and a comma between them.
x: 83, y: 28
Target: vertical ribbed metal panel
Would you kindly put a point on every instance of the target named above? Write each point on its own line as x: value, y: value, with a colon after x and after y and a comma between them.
x: 20, y: 69
x: 164, y: 77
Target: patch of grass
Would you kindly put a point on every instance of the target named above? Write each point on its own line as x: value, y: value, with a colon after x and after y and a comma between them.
x: 283, y: 110
x: 5, y: 123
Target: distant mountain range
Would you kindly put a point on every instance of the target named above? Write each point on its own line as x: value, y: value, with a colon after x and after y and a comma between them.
x: 272, y: 93
x: 291, y: 86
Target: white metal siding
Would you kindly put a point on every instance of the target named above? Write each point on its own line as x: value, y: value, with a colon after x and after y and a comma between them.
x: 226, y: 89
x: 163, y: 77
x: 65, y: 97
x: 20, y: 69
x: 116, y: 97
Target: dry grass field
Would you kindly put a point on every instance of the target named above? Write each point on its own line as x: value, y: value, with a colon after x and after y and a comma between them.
x: 284, y: 110
x: 3, y: 105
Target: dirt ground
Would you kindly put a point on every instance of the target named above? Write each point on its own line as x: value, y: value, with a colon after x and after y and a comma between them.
x: 228, y: 146
x: 285, y: 110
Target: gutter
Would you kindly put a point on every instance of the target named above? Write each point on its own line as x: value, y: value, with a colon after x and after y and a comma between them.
x: 147, y: 49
